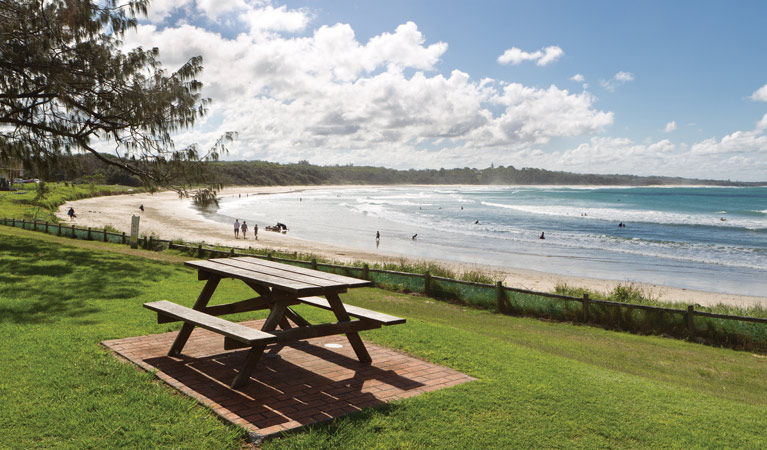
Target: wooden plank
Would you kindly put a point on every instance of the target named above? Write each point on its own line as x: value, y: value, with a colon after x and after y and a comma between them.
x: 253, y: 304
x: 338, y: 279
x: 325, y: 329
x: 279, y: 272
x: 257, y: 278
x: 355, y: 311
x: 221, y: 326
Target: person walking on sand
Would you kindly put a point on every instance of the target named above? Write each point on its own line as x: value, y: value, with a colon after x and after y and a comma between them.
x: 378, y: 236
x: 71, y: 213
x: 255, y: 231
x: 141, y: 207
x: 244, y: 229
x: 236, y: 228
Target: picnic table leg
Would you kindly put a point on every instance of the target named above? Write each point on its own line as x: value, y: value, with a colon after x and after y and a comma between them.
x: 298, y: 320
x: 354, y: 338
x: 199, y: 305
x: 276, y: 317
x: 254, y: 355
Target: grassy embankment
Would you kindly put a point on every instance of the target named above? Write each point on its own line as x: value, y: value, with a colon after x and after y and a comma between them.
x: 540, y: 384
x: 25, y: 203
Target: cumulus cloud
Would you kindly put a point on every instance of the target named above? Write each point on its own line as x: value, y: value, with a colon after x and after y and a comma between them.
x: 618, y: 79
x: 671, y: 126
x: 541, y: 57
x: 328, y: 98
x: 740, y: 155
x: 270, y: 18
x: 760, y: 95
x: 752, y: 142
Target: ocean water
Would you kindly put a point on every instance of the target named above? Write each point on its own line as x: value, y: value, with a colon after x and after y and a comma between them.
x: 705, y: 238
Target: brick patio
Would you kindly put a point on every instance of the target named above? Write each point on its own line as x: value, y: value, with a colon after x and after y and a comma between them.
x: 308, y: 382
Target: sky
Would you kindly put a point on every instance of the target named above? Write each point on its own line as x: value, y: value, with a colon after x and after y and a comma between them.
x: 608, y: 87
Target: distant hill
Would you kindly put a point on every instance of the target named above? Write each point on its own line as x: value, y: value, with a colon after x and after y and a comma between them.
x: 262, y: 173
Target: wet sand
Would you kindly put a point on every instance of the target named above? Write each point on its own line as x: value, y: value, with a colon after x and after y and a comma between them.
x: 167, y: 216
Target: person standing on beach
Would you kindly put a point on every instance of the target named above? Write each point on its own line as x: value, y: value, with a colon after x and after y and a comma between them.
x: 255, y: 231
x: 244, y: 229
x: 236, y: 228
x: 378, y: 236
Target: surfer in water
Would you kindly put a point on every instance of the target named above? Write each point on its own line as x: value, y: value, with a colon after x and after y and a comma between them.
x: 542, y: 236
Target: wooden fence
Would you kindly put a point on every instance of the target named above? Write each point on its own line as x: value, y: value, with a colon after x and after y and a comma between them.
x: 425, y: 281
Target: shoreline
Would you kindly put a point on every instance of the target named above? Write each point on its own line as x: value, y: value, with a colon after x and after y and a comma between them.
x: 169, y: 217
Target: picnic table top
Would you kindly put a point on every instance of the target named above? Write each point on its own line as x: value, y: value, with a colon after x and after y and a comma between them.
x: 283, y: 277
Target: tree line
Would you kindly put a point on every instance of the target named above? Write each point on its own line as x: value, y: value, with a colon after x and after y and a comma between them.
x: 264, y: 173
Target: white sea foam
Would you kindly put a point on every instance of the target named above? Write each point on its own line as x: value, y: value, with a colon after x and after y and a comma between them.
x: 634, y: 215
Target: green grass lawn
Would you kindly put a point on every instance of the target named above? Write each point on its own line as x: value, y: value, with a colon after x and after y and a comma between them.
x: 22, y: 203
x: 540, y: 384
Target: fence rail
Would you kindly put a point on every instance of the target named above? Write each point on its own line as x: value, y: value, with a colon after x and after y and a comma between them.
x: 503, y: 299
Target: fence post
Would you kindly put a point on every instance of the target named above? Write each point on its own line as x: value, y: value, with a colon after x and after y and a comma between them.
x: 231, y: 253
x: 426, y: 282
x: 23, y: 224
x: 295, y: 255
x: 199, y: 250
x: 314, y: 263
x: 89, y: 233
x: 74, y: 235
x: 269, y: 256
x: 46, y: 227
x: 500, y: 297
x: 690, y: 321
x: 585, y: 307
x: 150, y: 246
x: 58, y: 233
x: 123, y: 238
x: 105, y: 234
x: 365, y: 271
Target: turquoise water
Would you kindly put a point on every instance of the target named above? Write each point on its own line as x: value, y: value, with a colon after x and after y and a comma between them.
x: 711, y: 239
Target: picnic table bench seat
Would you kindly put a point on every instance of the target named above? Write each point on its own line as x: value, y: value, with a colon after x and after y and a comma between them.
x: 232, y: 330
x: 354, y: 311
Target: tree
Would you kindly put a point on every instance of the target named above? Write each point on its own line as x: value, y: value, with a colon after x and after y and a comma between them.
x: 41, y: 191
x: 66, y: 87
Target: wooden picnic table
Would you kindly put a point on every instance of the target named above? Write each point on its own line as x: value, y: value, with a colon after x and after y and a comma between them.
x: 279, y: 286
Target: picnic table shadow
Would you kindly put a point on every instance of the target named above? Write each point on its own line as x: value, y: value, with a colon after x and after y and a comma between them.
x: 59, y: 294
x: 279, y: 390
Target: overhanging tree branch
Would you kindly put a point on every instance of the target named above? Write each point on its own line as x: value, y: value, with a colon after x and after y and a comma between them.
x: 65, y: 84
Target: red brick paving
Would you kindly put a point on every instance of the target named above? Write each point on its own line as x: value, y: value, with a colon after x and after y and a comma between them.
x: 307, y: 382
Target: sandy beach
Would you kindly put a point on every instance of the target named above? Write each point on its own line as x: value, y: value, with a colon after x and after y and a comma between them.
x: 167, y: 216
